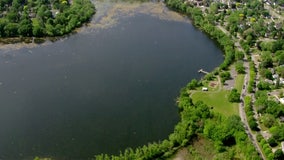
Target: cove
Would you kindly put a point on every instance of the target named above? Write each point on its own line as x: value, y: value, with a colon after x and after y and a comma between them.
x: 102, y: 89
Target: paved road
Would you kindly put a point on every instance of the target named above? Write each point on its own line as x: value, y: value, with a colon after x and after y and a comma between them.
x: 242, y: 113
x: 244, y: 93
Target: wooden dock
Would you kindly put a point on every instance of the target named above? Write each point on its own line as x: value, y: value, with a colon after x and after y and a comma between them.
x: 202, y: 71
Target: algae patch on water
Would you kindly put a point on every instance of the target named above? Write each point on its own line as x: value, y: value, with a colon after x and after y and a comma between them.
x: 108, y: 13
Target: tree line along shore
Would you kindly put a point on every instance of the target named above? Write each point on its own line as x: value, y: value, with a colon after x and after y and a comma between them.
x: 42, y: 18
x: 249, y: 32
x: 258, y: 35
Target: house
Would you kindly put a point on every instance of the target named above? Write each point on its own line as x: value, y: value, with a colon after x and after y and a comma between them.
x: 275, y: 76
x: 204, y: 89
x: 281, y: 80
x: 281, y: 100
x: 281, y: 118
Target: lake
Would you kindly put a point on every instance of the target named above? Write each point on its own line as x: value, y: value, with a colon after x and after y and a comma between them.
x: 111, y: 86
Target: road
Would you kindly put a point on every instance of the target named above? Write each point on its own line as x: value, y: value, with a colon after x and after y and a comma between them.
x: 242, y: 113
x: 244, y: 93
x: 273, y: 13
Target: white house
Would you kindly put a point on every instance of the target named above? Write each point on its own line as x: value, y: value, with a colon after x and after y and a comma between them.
x: 281, y: 100
x: 275, y: 76
x: 204, y: 89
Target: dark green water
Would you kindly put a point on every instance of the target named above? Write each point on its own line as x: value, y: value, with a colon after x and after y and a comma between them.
x: 101, y: 91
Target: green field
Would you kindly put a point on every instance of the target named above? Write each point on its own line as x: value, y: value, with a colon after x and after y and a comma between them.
x: 217, y: 100
x: 239, y: 82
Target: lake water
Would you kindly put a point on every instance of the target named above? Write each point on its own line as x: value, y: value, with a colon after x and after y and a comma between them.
x: 110, y: 86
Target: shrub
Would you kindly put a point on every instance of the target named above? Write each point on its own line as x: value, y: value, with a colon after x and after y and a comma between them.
x: 271, y: 141
x: 234, y: 96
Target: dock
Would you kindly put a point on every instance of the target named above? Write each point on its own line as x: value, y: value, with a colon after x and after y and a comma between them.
x: 202, y: 71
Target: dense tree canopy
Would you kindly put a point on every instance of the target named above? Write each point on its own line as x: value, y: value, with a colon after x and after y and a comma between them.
x: 42, y: 17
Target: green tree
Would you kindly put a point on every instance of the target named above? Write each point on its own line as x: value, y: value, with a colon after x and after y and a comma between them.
x: 278, y: 154
x: 279, y: 57
x: 271, y: 141
x: 268, y: 120
x: 225, y: 76
x: 11, y: 29
x: 263, y: 85
x: 193, y: 84
x: 214, y: 8
x: 267, y: 61
x: 239, y: 55
x: 25, y: 27
x: 252, y: 123
x: 240, y: 67
x: 234, y: 96
x: 3, y: 23
x: 277, y: 132
x: 13, y: 16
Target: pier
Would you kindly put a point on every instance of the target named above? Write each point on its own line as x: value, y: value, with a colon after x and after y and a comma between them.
x: 202, y: 71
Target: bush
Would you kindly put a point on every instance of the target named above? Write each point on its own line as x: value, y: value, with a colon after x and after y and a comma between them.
x: 259, y: 137
x: 263, y: 85
x: 252, y: 123
x: 193, y: 84
x: 225, y: 76
x: 278, y: 154
x: 271, y: 141
x: 240, y: 67
x: 234, y: 96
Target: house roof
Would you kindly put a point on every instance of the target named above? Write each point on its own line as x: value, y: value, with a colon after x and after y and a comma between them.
x: 281, y: 100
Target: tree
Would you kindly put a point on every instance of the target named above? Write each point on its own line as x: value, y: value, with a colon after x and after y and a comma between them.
x: 263, y: 85
x: 278, y: 154
x: 277, y: 132
x: 32, y: 18
x: 239, y: 55
x: 25, y: 27
x: 267, y: 61
x: 268, y: 74
x: 240, y: 67
x: 11, y: 29
x: 279, y: 57
x: 13, y: 16
x: 214, y: 8
x: 225, y: 76
x: 38, y: 29
x: 280, y: 71
x: 193, y: 84
x: 43, y: 13
x: 268, y: 120
x: 3, y: 23
x: 252, y: 123
x: 271, y: 141
x: 234, y: 96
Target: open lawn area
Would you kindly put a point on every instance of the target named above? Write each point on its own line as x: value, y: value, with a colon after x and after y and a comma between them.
x: 239, y: 82
x: 217, y: 100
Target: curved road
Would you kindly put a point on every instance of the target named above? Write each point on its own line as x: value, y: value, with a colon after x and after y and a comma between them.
x: 244, y: 93
x: 243, y: 113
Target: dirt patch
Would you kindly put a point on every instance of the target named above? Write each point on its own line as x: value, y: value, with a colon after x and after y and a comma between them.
x: 213, y: 84
x: 201, y: 148
x: 181, y: 154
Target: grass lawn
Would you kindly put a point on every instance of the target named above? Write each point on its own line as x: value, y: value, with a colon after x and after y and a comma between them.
x: 217, y: 100
x: 239, y: 82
